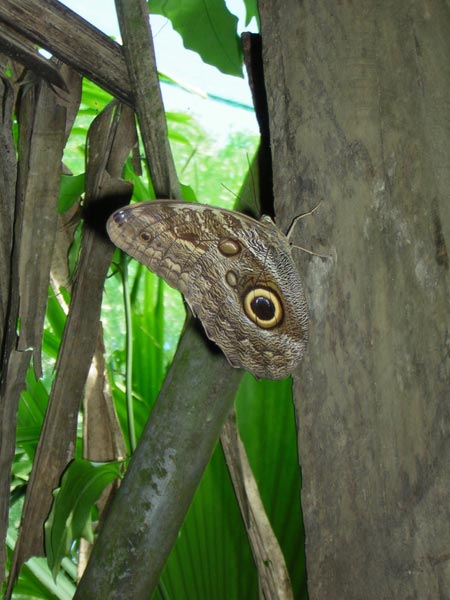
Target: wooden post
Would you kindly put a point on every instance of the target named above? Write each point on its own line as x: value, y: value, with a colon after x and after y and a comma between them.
x: 358, y: 96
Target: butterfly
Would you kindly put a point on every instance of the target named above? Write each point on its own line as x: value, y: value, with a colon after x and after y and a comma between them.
x: 236, y: 274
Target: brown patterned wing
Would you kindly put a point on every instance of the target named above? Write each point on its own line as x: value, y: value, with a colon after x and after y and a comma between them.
x: 236, y: 273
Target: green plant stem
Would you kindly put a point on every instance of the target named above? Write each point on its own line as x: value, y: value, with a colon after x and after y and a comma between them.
x: 128, y: 352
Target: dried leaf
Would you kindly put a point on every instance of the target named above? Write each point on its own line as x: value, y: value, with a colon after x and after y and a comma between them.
x: 112, y: 136
x: 272, y: 572
x: 44, y: 123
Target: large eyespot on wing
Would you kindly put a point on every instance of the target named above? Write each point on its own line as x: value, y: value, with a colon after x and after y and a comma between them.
x: 263, y: 306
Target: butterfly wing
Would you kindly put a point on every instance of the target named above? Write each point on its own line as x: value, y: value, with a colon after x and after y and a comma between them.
x: 236, y: 274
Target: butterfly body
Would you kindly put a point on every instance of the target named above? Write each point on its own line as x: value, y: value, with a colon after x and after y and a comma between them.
x: 237, y: 275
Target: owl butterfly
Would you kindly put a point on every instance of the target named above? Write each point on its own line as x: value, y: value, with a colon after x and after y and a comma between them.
x: 236, y: 274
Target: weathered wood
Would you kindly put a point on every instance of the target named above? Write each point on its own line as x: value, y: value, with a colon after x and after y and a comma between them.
x: 103, y: 439
x: 29, y: 202
x: 40, y: 161
x: 73, y: 40
x: 13, y: 365
x: 358, y: 100
x: 141, y: 62
x: 8, y: 175
x: 23, y: 51
x: 273, y: 576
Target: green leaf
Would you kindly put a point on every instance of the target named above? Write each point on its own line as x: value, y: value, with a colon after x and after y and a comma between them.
x: 70, y: 516
x: 207, y: 27
x: 251, y: 10
x: 56, y: 316
x: 35, y: 579
x: 94, y: 98
x: 211, y: 558
x: 71, y: 188
x: 188, y: 193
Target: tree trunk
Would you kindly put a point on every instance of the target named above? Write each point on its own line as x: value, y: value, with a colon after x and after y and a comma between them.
x: 358, y: 99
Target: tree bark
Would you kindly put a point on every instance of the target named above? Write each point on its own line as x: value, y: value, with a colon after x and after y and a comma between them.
x: 358, y: 102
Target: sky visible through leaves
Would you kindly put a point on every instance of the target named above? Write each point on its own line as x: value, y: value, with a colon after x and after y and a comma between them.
x: 187, y: 68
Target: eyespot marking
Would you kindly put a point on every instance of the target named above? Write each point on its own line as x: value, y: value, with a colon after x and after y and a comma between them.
x: 263, y: 306
x: 231, y: 278
x: 229, y: 247
x: 119, y: 217
x: 145, y: 236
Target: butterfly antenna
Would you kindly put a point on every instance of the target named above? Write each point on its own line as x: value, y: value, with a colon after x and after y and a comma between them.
x: 231, y: 191
x: 291, y: 229
x: 298, y: 218
x: 311, y: 252
x: 189, y: 158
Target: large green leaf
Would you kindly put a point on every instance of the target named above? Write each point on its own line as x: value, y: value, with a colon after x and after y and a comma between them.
x: 207, y: 27
x: 212, y: 557
x: 70, y: 516
x: 30, y: 416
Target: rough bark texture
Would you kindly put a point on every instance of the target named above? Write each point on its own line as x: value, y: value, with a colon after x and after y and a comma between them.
x: 359, y: 102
